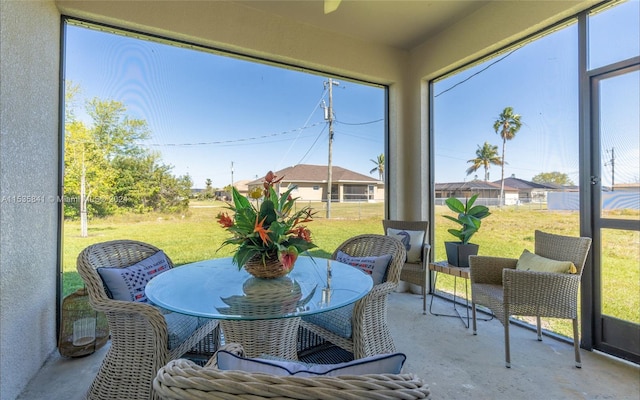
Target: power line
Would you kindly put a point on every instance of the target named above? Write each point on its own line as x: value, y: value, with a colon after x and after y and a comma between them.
x: 305, y: 124
x: 477, y: 73
x: 359, y: 123
x: 217, y: 142
x: 313, y: 144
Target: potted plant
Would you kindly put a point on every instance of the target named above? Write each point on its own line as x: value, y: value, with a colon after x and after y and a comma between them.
x: 470, y: 218
x: 268, y: 232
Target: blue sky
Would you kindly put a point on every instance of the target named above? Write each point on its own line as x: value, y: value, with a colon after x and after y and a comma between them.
x: 540, y: 82
x: 206, y: 111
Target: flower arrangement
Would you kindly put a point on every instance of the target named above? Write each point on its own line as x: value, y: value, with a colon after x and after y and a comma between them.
x: 269, y: 228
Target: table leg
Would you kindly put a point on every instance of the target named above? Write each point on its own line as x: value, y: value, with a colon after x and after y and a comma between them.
x: 455, y: 295
x: 276, y: 337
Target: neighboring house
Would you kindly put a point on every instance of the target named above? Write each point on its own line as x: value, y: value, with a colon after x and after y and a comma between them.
x: 624, y: 187
x: 311, y: 184
x: 531, y: 192
x: 488, y: 192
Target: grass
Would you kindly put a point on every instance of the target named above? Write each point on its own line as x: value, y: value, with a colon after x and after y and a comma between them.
x: 197, y: 236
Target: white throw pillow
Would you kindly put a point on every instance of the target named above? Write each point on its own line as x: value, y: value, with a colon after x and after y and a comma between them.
x: 128, y: 283
x: 374, y: 266
x: 377, y: 364
x: 412, y: 241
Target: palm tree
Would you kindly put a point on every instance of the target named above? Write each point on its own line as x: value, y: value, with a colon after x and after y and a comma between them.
x: 485, y: 156
x: 379, y: 166
x: 507, y: 125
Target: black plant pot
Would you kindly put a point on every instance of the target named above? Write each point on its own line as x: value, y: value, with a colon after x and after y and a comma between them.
x: 458, y: 253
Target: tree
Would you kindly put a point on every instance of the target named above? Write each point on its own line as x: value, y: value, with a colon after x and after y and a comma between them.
x: 379, y: 162
x: 507, y: 125
x: 106, y: 168
x: 555, y: 177
x: 208, y: 190
x: 485, y: 156
x: 113, y: 130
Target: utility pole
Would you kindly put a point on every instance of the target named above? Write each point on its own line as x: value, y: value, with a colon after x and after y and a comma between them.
x: 613, y: 166
x: 329, y: 116
x: 231, y: 180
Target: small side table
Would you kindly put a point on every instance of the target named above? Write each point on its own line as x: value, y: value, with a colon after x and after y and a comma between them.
x: 457, y: 272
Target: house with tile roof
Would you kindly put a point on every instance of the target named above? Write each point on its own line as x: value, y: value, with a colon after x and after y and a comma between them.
x: 516, y: 191
x: 531, y: 192
x: 311, y: 184
x: 488, y: 192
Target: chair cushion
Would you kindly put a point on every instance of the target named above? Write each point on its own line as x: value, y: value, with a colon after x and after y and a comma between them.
x: 128, y: 283
x: 412, y: 241
x: 374, y: 266
x: 180, y: 328
x: 377, y: 364
x: 337, y: 321
x: 532, y: 262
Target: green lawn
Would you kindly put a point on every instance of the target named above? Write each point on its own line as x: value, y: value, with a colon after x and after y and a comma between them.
x: 197, y: 236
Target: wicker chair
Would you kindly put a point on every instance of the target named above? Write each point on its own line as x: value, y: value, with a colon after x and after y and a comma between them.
x: 182, y: 379
x: 370, y: 330
x: 497, y: 285
x: 139, y: 333
x: 414, y: 273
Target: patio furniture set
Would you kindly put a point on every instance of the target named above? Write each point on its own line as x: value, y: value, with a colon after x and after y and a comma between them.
x: 156, y: 324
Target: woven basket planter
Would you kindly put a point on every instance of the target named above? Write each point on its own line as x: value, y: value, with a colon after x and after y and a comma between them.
x: 269, y: 269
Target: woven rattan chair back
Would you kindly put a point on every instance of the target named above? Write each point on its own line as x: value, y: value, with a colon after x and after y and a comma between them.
x: 371, y: 245
x: 114, y: 254
x: 563, y: 248
x: 183, y: 380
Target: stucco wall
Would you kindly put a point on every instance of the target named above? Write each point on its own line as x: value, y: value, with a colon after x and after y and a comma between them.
x: 29, y: 62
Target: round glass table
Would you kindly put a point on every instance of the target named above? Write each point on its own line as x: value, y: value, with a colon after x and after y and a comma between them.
x: 262, y: 314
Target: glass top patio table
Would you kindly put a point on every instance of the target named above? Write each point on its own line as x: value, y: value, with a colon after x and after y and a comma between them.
x: 217, y: 289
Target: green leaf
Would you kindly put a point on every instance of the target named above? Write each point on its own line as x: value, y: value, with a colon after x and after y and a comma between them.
x: 471, y: 201
x: 239, y: 200
x: 455, y: 205
x: 268, y: 212
x: 479, y: 212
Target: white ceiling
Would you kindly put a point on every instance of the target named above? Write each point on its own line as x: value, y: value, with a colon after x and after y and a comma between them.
x: 401, y: 24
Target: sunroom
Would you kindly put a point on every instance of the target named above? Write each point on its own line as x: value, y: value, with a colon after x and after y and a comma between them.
x: 409, y: 48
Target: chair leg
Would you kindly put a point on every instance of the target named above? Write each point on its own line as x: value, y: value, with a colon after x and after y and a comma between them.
x: 576, y: 343
x: 507, y: 351
x: 539, y: 326
x: 424, y: 299
x: 473, y: 314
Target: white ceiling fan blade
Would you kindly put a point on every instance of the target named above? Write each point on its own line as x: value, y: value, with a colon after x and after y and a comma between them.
x: 331, y: 5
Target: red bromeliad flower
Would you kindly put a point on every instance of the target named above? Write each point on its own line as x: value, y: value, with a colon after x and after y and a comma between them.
x: 269, y: 181
x: 302, y: 232
x: 225, y: 220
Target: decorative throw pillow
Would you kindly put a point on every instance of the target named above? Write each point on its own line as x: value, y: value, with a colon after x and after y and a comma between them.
x: 374, y: 266
x: 532, y: 262
x: 412, y: 241
x: 377, y: 364
x: 128, y: 283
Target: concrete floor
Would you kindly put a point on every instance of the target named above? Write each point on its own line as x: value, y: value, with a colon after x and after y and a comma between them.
x: 455, y: 363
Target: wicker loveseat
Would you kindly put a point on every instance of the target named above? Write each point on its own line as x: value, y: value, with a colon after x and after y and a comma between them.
x: 140, y: 332
x: 182, y: 379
